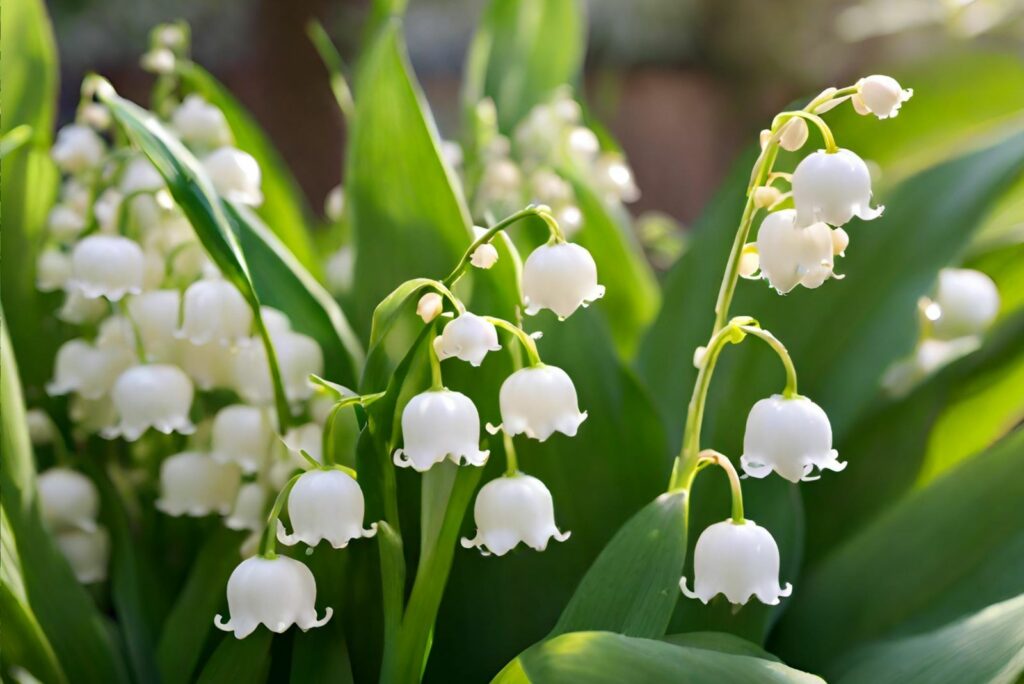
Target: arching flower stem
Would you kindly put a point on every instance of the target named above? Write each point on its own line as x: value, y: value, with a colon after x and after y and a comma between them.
x: 511, y: 462
x: 780, y: 349
x: 268, y: 544
x: 140, y: 349
x: 436, y: 381
x: 528, y: 344
x: 712, y: 457
x: 330, y: 458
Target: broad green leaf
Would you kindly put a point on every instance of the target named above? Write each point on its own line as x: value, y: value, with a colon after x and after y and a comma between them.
x: 523, y: 50
x: 987, y: 646
x: 22, y: 640
x: 283, y: 283
x: 194, y: 193
x: 403, y: 202
x: 943, y: 552
x: 601, y: 657
x: 720, y: 641
x: 631, y: 298
x: 77, y: 632
x: 239, y: 660
x: 321, y: 655
x: 284, y: 207
x: 28, y: 181
x: 633, y: 586
x: 190, y: 622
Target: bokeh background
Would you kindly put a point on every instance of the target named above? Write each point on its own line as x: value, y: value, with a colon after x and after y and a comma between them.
x: 682, y: 84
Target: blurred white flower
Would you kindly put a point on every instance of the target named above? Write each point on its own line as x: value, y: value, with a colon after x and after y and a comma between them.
x: 793, y: 437
x: 64, y: 223
x: 615, y: 178
x: 833, y: 187
x: 275, y: 592
x: 87, y: 552
x: 88, y: 370
x: 469, y: 337
x: 235, y: 175
x: 538, y: 401
x: 53, y: 270
x: 484, y: 256
x: 140, y: 176
x: 298, y: 356
x: 193, y: 484
x: 789, y: 255
x: 107, y: 209
x: 334, y: 204
x: 210, y: 365
x: 68, y: 500
x: 41, y: 429
x: 968, y: 302
x: 77, y: 149
x: 78, y: 309
x: 107, y: 266
x: 249, y: 511
x: 561, y: 277
x: 200, y: 123
x: 341, y: 269
x: 213, y: 310
x: 512, y: 509
x: 325, y: 504
x: 739, y: 560
x: 155, y: 396
x: 158, y: 61
x: 155, y: 314
x: 439, y: 424
x: 241, y: 434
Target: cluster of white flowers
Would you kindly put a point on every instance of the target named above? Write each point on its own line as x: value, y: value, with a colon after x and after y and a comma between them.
x: 70, y: 505
x: 787, y: 433
x: 963, y: 306
x: 534, y: 164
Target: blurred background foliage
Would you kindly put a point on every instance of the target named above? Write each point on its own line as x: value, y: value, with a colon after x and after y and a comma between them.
x: 915, y: 547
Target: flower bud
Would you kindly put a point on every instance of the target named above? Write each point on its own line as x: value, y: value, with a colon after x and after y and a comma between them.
x: 155, y: 396
x: 794, y: 134
x: 790, y: 436
x: 881, y: 96
x: 739, y: 560
x: 235, y: 175
x: 539, y: 401
x: 64, y: 223
x: 68, y: 500
x: 275, y: 592
x: 334, y: 204
x: 242, y: 435
x: 789, y: 255
x: 53, y: 270
x: 250, y: 509
x: 215, y: 311
x: 87, y: 370
x: 766, y: 195
x: 968, y: 303
x: 107, y: 266
x: 95, y: 115
x: 833, y: 187
x: 325, y: 504
x: 158, y: 61
x: 429, y: 307
x: 439, y: 424
x: 561, y: 277
x: 469, y: 337
x: 840, y: 241
x: 484, y: 256
x: 77, y: 149
x: 512, y: 509
x: 87, y: 552
x: 200, y: 124
x: 750, y: 261
x: 195, y: 485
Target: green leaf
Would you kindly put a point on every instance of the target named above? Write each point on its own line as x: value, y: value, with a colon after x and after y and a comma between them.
x: 599, y: 657
x: 941, y: 553
x: 190, y: 622
x: 28, y: 182
x: 284, y: 208
x: 721, y: 642
x: 335, y: 66
x: 283, y: 283
x: 632, y: 296
x: 633, y: 586
x: 194, y: 193
x: 76, y: 630
x: 239, y: 660
x: 522, y: 50
x: 987, y: 646
x: 404, y: 203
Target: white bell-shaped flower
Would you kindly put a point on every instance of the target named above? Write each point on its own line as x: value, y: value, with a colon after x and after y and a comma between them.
x: 880, y: 95
x: 53, y: 270
x: 429, y: 306
x: 325, y: 504
x: 140, y: 176
x: 789, y: 255
x: 41, y: 429
x: 250, y: 509
x: 790, y: 436
x: 108, y: 266
x: 235, y: 175
x: 334, y: 203
x: 340, y: 269
x: 107, y: 210
x: 64, y: 223
x: 193, y: 484
x: 78, y: 309
x: 833, y: 187
x: 200, y: 123
x: 968, y: 302
x: 439, y: 424
x: 739, y: 560
x: 77, y: 149
x: 68, y: 499
x: 276, y: 592
x: 298, y: 356
x: 484, y: 256
x: 155, y: 396
x: 88, y: 370
x: 308, y: 437
x: 512, y: 509
x: 469, y: 337
x: 211, y: 365
x: 213, y: 310
x: 155, y: 314
x: 561, y: 277
x: 87, y: 552
x: 275, y: 321
x: 241, y: 434
x: 539, y: 401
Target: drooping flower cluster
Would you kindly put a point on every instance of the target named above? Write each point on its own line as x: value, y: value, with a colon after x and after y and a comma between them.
x: 797, y: 242
x: 70, y: 505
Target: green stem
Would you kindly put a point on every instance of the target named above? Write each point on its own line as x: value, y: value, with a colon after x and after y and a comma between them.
x: 501, y: 225
x: 511, y: 462
x: 528, y: 343
x: 436, y: 381
x: 330, y: 457
x: 713, y: 457
x: 780, y: 349
x: 826, y: 132
x: 443, y: 290
x: 268, y: 544
x: 284, y: 417
x: 140, y: 349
